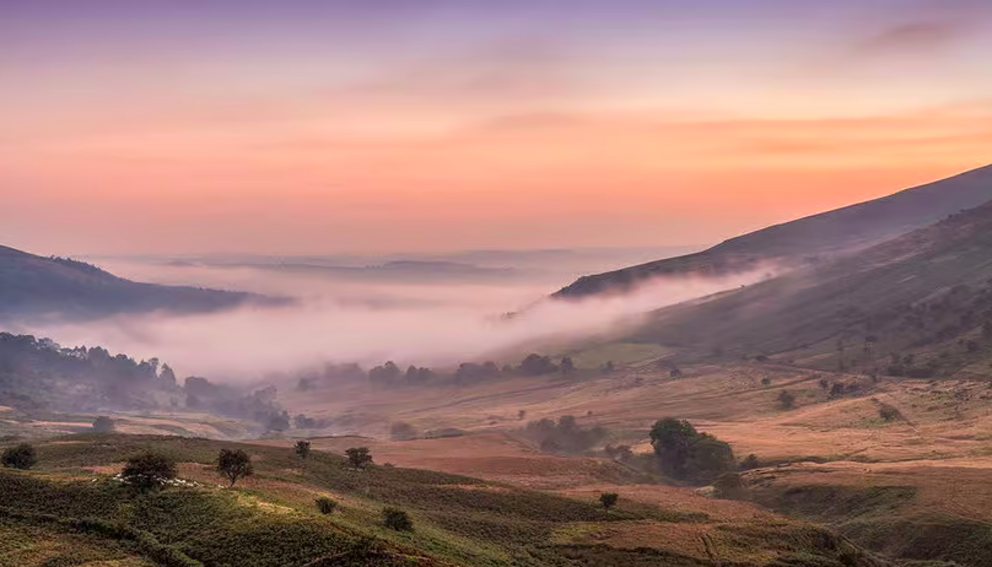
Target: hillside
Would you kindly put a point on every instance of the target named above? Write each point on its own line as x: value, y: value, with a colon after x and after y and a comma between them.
x: 32, y: 286
x: 927, y: 291
x: 70, y: 507
x: 809, y: 239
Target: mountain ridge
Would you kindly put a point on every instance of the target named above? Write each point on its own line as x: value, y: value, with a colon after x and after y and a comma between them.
x: 808, y: 239
x: 37, y: 286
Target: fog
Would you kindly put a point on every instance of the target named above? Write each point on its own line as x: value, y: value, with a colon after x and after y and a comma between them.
x: 367, y: 320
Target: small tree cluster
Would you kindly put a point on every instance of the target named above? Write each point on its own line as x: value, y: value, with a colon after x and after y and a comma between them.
x: 21, y: 457
x: 685, y: 454
x: 565, y: 436
x: 359, y: 457
x: 149, y: 470
x: 402, y: 431
x: 786, y: 400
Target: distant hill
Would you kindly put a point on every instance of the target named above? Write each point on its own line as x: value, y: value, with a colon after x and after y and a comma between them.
x: 32, y: 286
x: 929, y: 292
x: 809, y: 239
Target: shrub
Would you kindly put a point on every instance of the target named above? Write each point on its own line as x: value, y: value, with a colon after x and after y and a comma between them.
x: 19, y: 457
x: 888, y: 413
x: 359, y: 457
x: 750, y: 462
x: 786, y: 400
x: 396, y: 519
x: 149, y: 470
x: 609, y: 499
x: 766, y: 381
x: 234, y: 465
x: 302, y: 449
x: 326, y: 505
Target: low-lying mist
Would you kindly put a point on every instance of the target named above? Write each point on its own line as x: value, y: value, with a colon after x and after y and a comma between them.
x: 366, y: 321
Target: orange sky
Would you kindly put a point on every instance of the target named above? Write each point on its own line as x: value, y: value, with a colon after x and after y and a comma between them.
x: 434, y: 139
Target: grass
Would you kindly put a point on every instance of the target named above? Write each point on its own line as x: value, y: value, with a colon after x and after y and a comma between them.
x: 271, y: 519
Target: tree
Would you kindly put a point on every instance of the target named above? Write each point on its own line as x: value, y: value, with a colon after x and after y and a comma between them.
x: 567, y: 366
x: 396, y: 519
x: 766, y: 381
x: 685, y: 454
x: 786, y: 400
x: 609, y: 499
x: 521, y: 415
x: 326, y: 505
x: 234, y: 465
x: 167, y: 375
x: 359, y: 457
x: 103, y: 424
x: 302, y: 449
x: 21, y: 457
x: 537, y: 365
x: 672, y: 440
x: 149, y: 470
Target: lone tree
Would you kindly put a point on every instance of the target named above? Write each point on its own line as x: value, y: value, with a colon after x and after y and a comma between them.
x: 786, y: 400
x: 567, y: 366
x: 302, y: 449
x: 19, y: 457
x: 359, y: 457
x: 609, y: 499
x: 103, y: 424
x: 149, y: 470
x: 234, y: 465
x: 685, y: 454
x: 396, y: 519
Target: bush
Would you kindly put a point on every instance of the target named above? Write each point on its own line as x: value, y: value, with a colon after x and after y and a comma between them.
x: 766, y: 381
x: 302, y: 449
x: 149, y: 470
x: 396, y: 519
x: 750, y: 462
x: 21, y: 457
x: 359, y: 457
x: 609, y: 499
x: 786, y: 400
x: 326, y: 505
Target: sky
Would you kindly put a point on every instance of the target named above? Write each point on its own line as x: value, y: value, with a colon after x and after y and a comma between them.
x: 333, y: 126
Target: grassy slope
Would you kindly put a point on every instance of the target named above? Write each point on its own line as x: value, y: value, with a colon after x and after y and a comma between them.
x: 271, y: 520
x: 34, y: 285
x: 864, y: 294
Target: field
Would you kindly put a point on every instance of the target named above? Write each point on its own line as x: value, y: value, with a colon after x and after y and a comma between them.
x: 937, y: 449
x: 75, y: 509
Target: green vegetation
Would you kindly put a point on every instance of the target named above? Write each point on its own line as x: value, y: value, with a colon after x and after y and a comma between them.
x: 234, y: 465
x: 359, y: 457
x: 685, y: 454
x: 149, y: 470
x: 21, y: 457
x: 275, y: 522
x: 326, y: 505
x: 609, y: 499
x: 565, y: 436
x: 396, y: 519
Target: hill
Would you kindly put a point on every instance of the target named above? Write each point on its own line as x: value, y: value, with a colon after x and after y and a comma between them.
x: 32, y: 286
x: 71, y: 507
x: 927, y: 292
x: 809, y: 239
